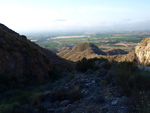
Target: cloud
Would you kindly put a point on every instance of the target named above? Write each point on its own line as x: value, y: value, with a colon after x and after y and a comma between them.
x: 103, y: 8
x: 61, y: 20
x: 127, y: 19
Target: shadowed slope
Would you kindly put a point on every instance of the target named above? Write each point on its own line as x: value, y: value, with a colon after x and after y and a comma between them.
x: 22, y: 60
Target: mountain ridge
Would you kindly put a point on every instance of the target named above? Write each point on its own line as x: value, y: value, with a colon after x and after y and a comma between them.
x: 80, y: 51
x: 24, y: 61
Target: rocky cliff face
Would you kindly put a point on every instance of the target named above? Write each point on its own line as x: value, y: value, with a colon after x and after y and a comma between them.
x: 21, y: 60
x: 142, y: 52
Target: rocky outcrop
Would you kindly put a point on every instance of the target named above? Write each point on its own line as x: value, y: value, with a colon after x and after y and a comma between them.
x: 22, y: 60
x: 80, y: 51
x: 142, y: 52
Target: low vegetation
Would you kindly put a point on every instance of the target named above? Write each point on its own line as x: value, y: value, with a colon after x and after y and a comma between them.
x: 85, y: 65
x: 133, y: 82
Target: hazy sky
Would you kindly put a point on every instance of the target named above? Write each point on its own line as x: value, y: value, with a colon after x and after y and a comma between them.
x: 28, y: 15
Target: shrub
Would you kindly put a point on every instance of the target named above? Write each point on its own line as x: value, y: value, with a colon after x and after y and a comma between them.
x: 141, y: 102
x: 85, y: 65
x: 107, y: 65
x: 59, y: 95
x: 74, y: 95
x: 35, y: 98
x: 6, y: 108
x: 63, y: 94
x: 11, y: 108
x: 71, y: 75
x: 130, y: 78
x: 54, y: 74
x: 134, y: 83
x: 40, y: 108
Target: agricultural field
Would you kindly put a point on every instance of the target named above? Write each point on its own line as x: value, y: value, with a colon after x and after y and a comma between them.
x: 104, y: 41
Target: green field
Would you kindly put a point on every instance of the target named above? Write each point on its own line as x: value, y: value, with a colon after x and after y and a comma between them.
x: 98, y: 39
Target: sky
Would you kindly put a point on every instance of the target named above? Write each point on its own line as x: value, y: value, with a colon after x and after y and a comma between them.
x: 51, y: 15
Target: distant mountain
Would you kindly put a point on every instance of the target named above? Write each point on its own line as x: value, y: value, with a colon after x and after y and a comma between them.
x: 80, y: 51
x: 23, y: 61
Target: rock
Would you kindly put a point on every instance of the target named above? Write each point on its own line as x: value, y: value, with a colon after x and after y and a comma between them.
x: 68, y: 108
x: 142, y: 52
x: 46, y: 104
x: 57, y: 103
x: 93, y: 81
x: 115, y: 102
x: 102, y: 63
x: 35, y: 110
x: 104, y: 109
x: 51, y: 110
x: 46, y: 93
x: 99, y: 99
x: 64, y: 102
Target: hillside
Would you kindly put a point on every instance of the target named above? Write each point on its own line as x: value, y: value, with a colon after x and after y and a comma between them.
x: 80, y: 51
x: 22, y: 61
x: 96, y: 85
x: 89, y: 50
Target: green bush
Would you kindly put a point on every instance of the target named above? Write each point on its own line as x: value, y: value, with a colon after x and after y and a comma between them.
x: 74, y: 95
x: 130, y: 78
x: 35, y: 98
x: 6, y: 108
x: 63, y: 94
x: 54, y: 73
x: 85, y: 65
x: 59, y: 95
x: 107, y: 65
x: 40, y: 108
x: 11, y: 108
x: 71, y: 75
x: 133, y: 82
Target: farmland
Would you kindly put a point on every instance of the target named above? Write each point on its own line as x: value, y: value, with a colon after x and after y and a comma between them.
x: 105, y: 41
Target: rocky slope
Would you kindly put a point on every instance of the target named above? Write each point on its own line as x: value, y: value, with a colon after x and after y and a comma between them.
x: 77, y: 93
x: 89, y: 50
x: 23, y: 61
x: 142, y: 52
x: 80, y: 51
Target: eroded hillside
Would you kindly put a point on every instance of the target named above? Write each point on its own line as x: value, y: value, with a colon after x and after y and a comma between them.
x: 89, y: 50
